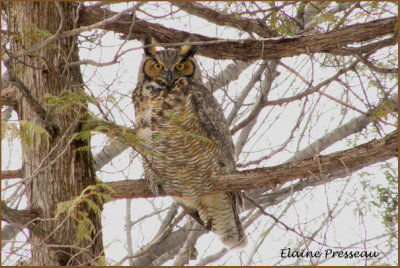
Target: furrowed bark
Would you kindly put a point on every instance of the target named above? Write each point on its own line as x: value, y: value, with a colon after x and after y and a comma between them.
x: 60, y: 170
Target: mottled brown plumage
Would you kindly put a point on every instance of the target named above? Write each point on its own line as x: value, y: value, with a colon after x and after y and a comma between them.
x: 189, y: 143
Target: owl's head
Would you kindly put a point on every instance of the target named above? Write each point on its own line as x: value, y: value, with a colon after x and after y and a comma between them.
x: 167, y: 66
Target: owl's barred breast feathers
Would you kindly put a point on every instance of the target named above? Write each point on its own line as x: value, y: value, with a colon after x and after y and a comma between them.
x: 185, y: 129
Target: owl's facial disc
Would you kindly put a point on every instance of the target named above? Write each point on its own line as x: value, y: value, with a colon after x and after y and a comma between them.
x: 168, y: 74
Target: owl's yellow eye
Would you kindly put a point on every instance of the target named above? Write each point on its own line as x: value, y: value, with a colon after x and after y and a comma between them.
x: 180, y: 66
x: 158, y: 67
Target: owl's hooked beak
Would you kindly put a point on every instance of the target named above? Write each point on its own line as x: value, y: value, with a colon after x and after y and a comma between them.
x: 168, y: 76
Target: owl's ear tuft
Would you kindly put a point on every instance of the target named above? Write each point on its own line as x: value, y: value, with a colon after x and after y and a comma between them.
x: 149, y: 51
x: 188, y: 50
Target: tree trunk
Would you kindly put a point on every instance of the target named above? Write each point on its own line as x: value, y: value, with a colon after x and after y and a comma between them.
x: 57, y: 172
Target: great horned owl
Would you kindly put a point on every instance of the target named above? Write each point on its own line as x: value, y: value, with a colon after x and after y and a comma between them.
x: 184, y: 128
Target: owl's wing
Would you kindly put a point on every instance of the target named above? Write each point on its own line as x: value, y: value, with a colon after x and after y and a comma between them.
x: 212, y: 119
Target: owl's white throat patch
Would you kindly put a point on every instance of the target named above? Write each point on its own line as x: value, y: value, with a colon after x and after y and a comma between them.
x: 150, y: 87
x: 154, y: 85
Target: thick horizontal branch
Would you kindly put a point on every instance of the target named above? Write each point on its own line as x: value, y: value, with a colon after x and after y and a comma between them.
x: 12, y: 174
x: 245, y: 50
x: 318, y: 167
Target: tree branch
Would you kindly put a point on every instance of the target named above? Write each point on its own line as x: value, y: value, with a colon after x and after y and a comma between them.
x: 8, y: 92
x: 245, y: 50
x: 227, y: 75
x: 108, y: 153
x: 308, y: 91
x: 353, y: 126
x: 319, y: 166
x: 50, y: 126
x: 8, y: 233
x: 178, y: 237
x: 378, y: 69
x: 21, y: 219
x: 366, y: 49
x: 12, y: 174
x: 8, y: 97
x: 269, y: 76
x: 231, y: 20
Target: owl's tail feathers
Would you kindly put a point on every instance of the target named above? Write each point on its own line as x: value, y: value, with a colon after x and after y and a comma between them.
x: 221, y: 211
